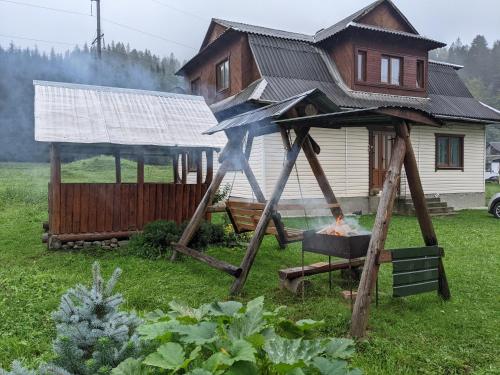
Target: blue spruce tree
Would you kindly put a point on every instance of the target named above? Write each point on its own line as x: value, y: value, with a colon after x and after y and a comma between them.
x: 93, y: 336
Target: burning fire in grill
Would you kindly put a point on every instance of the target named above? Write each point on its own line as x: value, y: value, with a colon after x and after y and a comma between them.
x: 339, y: 228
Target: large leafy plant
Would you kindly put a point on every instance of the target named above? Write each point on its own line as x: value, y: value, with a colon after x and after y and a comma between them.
x: 229, y: 338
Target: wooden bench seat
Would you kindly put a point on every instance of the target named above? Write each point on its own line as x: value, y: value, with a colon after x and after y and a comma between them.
x: 245, y: 216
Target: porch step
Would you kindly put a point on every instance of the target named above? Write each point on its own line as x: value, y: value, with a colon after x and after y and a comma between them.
x: 404, y: 206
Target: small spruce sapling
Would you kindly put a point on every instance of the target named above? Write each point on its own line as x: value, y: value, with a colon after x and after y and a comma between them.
x: 93, y: 336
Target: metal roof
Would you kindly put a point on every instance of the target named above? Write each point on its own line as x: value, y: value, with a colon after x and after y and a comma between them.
x: 73, y: 113
x: 260, y: 30
x: 274, y: 111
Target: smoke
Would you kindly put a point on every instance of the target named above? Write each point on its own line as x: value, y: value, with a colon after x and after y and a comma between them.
x: 120, y: 67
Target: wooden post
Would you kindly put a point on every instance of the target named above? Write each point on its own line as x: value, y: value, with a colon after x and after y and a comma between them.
x: 184, y: 168
x: 248, y: 147
x: 140, y: 191
x: 210, y: 166
x: 55, y: 190
x: 199, y: 214
x: 420, y: 204
x: 359, y: 319
x: 175, y: 168
x: 195, y: 221
x: 270, y: 208
x: 199, y: 167
x: 118, y: 167
x: 319, y: 173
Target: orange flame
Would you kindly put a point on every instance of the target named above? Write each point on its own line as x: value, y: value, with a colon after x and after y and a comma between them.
x: 339, y: 228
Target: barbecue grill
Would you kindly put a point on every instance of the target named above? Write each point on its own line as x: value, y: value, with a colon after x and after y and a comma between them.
x: 346, y: 247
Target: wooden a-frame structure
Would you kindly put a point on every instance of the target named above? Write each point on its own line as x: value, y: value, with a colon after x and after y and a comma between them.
x: 284, y: 118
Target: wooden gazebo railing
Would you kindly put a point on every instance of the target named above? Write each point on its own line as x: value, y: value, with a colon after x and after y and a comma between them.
x: 97, y: 211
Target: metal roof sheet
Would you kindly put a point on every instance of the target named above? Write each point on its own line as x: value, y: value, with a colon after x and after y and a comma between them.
x: 273, y: 111
x: 73, y: 113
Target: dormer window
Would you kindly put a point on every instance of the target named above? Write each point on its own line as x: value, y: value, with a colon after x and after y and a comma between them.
x: 391, y: 69
x: 222, y: 75
x: 361, y: 66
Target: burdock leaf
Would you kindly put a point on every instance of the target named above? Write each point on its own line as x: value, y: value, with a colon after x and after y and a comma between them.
x: 329, y: 367
x: 130, y: 366
x: 169, y: 356
x: 340, y: 348
x: 292, y: 352
x: 198, y: 334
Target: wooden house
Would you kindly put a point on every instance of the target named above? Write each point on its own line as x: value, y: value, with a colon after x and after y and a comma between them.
x: 374, y: 58
x: 145, y: 126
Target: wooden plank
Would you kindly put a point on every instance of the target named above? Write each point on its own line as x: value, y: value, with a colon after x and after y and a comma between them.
x: 97, y: 236
x: 92, y: 219
x: 84, y: 208
x: 163, y: 201
x: 76, y: 208
x: 68, y: 220
x: 100, y: 207
x: 184, y: 168
x: 359, y: 319
x: 116, y: 224
x: 417, y: 252
x: 317, y: 268
x: 211, y: 261
x: 124, y: 206
x: 133, y: 215
x: 109, y: 208
x: 178, y: 203
x: 210, y: 167
x: 407, y: 265
x: 199, y: 167
x: 140, y: 192
x: 255, y: 242
x: 411, y: 289
x: 413, y: 277
x: 175, y: 168
x: 171, y: 202
x: 151, y: 207
x: 118, y: 167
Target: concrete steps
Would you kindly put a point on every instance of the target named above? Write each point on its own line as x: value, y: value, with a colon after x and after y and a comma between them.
x: 404, y: 206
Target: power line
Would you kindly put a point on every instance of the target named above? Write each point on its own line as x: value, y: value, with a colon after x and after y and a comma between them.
x: 146, y: 33
x: 36, y: 40
x: 180, y: 10
x: 104, y: 19
x: 47, y: 8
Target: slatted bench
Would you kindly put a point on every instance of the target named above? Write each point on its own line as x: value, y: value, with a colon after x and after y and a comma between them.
x: 245, y: 216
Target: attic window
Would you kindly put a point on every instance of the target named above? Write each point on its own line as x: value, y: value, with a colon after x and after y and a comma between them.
x: 222, y: 75
x: 420, y: 74
x: 196, y: 86
x: 391, y: 69
x: 361, y: 66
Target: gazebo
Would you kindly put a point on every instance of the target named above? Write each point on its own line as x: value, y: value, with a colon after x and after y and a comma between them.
x: 145, y: 126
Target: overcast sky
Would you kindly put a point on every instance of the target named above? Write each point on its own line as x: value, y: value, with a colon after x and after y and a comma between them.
x: 186, y: 21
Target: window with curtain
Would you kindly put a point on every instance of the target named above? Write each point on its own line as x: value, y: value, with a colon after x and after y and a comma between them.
x: 449, y: 151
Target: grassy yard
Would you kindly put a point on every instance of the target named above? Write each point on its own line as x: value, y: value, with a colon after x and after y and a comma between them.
x: 491, y: 188
x: 415, y: 335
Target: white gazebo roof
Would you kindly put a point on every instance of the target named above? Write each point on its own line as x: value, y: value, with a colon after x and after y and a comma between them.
x: 73, y: 113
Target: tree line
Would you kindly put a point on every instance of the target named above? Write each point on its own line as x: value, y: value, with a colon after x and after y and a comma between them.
x: 481, y: 72
x: 120, y: 66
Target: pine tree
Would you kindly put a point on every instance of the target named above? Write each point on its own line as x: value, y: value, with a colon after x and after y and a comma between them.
x: 93, y: 336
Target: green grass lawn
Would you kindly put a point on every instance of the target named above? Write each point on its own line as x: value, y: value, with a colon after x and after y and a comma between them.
x: 491, y: 189
x: 414, y: 335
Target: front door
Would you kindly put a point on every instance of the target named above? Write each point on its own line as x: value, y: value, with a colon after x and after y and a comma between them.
x: 381, y: 143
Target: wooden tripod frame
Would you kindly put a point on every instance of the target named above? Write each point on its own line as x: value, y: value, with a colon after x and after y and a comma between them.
x: 233, y: 158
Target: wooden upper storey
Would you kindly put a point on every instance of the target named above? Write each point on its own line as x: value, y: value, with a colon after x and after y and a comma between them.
x: 374, y: 50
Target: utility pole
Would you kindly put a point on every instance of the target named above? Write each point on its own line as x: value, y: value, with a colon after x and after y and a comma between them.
x: 98, y: 39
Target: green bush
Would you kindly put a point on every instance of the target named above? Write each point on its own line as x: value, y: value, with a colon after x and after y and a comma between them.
x: 155, y: 240
x: 229, y: 338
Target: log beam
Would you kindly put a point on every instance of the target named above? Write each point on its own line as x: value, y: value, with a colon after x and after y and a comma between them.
x: 184, y: 167
x: 320, y: 175
x: 270, y: 208
x: 420, y: 203
x: 360, y: 315
x: 118, y: 167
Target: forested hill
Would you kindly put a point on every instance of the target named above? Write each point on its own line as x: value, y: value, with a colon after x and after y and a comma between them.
x: 481, y: 72
x: 120, y: 66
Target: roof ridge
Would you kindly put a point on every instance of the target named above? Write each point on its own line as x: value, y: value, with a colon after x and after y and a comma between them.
x: 81, y: 86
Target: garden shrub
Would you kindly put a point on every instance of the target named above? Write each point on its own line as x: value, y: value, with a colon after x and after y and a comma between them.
x: 155, y: 240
